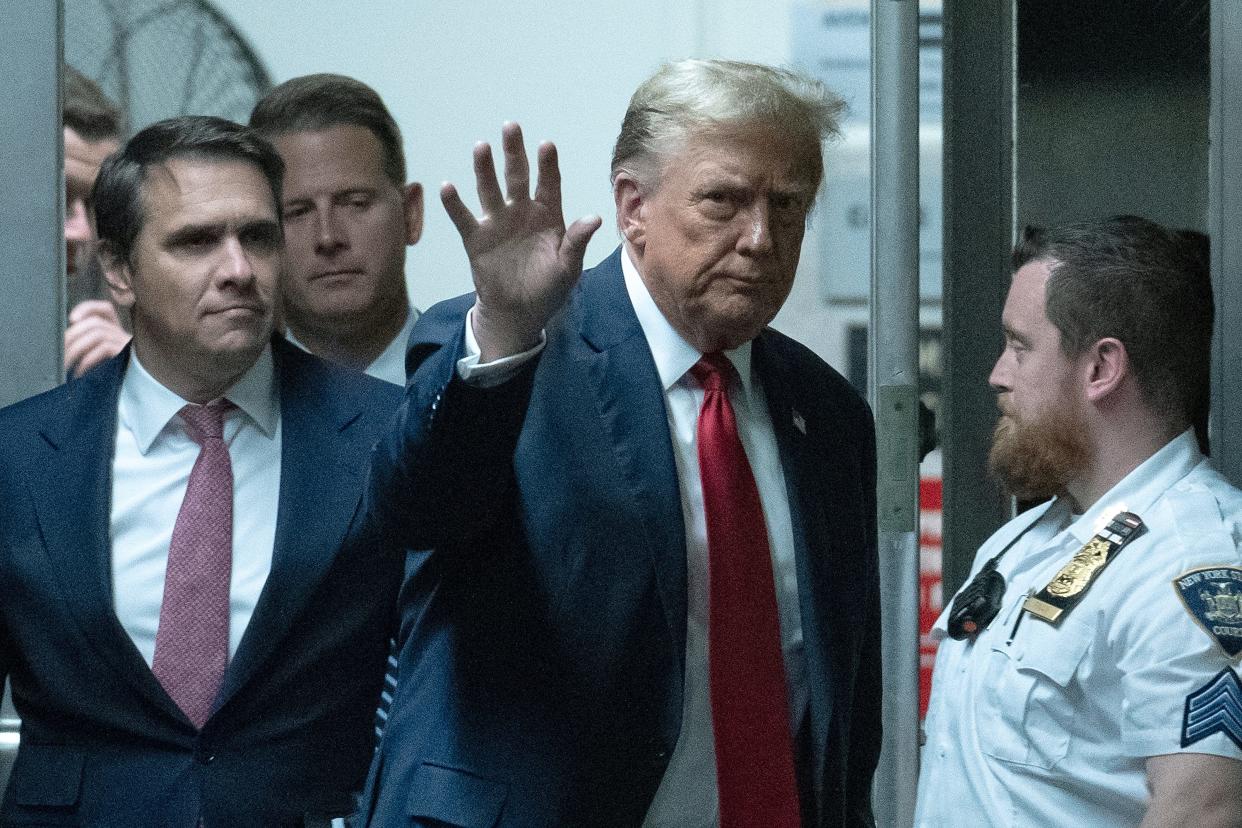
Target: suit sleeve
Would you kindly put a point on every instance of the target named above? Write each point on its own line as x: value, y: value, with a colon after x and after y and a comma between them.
x: 445, y: 467
x: 6, y: 656
x: 6, y: 644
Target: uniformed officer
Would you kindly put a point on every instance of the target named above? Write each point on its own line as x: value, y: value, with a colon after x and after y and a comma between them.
x: 1086, y: 673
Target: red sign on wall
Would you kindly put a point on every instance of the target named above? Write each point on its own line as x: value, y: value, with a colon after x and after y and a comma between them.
x: 931, y: 595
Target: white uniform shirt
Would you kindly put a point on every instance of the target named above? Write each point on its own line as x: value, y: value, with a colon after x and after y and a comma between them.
x: 1035, y: 724
x: 150, y: 469
x: 687, y: 795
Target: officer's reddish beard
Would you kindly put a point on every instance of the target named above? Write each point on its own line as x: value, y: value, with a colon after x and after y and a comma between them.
x: 1036, y: 459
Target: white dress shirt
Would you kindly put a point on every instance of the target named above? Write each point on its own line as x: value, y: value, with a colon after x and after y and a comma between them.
x: 1041, y: 724
x: 687, y: 796
x: 150, y: 469
x: 390, y: 364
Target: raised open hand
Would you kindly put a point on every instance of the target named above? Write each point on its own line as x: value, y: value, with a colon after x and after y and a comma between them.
x: 523, y: 259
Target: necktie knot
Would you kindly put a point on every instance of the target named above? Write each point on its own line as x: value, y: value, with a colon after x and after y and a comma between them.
x: 713, y: 370
x: 206, y: 422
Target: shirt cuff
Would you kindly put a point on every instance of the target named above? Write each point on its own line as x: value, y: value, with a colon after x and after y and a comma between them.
x: 496, y: 372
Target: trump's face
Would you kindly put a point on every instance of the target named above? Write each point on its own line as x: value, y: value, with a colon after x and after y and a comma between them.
x: 717, y: 237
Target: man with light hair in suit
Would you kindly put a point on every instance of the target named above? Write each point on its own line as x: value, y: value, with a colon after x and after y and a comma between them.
x: 651, y: 596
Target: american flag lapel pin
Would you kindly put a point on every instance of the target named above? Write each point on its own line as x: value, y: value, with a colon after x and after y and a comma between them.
x: 799, y: 421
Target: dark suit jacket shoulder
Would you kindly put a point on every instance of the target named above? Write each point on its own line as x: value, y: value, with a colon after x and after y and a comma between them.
x: 543, y: 640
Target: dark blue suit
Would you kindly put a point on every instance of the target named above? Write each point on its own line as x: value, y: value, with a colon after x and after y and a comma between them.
x: 543, y: 640
x: 102, y: 744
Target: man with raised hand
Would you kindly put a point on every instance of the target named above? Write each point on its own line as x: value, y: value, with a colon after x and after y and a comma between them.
x: 651, y: 595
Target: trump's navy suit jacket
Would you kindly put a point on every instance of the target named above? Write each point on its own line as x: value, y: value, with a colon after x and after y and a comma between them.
x: 102, y: 744
x: 543, y: 638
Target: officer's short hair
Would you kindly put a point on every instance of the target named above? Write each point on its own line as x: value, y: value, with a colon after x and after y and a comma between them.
x: 317, y: 102
x: 119, y: 191
x: 1144, y: 284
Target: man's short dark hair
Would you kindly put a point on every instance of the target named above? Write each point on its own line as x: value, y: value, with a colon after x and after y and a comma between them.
x: 1146, y: 285
x: 316, y: 102
x: 87, y: 110
x: 119, y: 190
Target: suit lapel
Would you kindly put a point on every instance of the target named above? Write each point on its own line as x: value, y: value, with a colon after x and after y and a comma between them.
x: 630, y: 402
x: 320, y: 471
x: 72, y: 494
x: 809, y: 483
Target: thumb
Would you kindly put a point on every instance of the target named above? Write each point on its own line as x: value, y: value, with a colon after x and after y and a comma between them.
x: 574, y: 244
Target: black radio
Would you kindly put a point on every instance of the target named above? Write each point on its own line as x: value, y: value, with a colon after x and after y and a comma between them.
x: 976, y: 605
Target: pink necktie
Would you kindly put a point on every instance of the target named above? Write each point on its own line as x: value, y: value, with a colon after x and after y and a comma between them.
x: 192, y: 642
x: 750, y: 707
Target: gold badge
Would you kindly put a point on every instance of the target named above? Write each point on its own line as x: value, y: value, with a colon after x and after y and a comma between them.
x: 1075, y: 575
x: 1067, y: 588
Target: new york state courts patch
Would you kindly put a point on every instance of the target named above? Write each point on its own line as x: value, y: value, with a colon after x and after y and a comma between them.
x: 1213, y: 597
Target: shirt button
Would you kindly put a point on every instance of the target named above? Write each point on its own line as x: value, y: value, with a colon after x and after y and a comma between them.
x: 205, y: 758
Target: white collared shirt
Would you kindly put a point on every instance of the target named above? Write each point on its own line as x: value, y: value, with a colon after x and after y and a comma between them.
x: 1041, y: 724
x: 687, y: 796
x: 150, y: 469
x: 390, y: 364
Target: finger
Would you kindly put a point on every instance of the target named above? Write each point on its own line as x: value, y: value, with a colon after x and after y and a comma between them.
x: 548, y: 187
x: 73, y: 348
x: 574, y: 244
x: 78, y: 341
x: 517, y: 168
x: 96, y: 308
x: 96, y: 355
x: 79, y: 337
x: 490, y: 197
x: 457, y: 211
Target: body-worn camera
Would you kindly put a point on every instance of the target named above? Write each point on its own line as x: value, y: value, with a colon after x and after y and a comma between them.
x: 976, y: 605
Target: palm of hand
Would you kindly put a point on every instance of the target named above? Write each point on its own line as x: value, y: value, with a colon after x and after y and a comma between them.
x: 515, y: 259
x: 523, y: 259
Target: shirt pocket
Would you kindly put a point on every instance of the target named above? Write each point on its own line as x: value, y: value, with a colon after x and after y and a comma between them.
x: 1029, y: 698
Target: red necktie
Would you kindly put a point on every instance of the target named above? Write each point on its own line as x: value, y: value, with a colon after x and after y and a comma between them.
x: 192, y: 641
x: 750, y: 707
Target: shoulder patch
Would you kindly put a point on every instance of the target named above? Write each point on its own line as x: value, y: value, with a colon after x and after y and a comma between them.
x: 1213, y: 597
x: 1214, y: 707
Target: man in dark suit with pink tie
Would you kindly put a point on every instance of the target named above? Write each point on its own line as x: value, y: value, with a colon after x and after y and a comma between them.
x: 193, y: 616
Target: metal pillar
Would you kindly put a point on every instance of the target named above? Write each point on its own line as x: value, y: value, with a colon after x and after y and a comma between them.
x: 978, y: 235
x: 32, y: 276
x: 1224, y: 208
x: 32, y: 250
x: 894, y: 387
